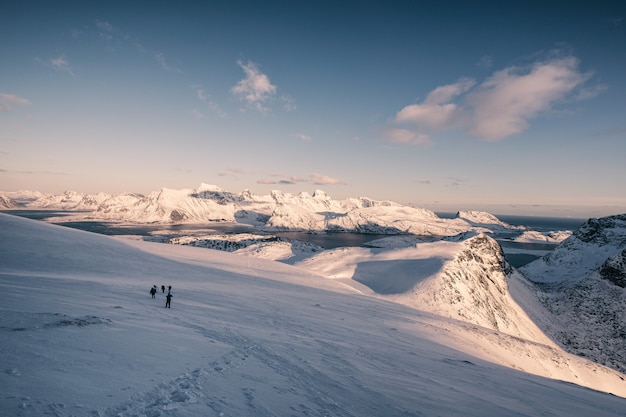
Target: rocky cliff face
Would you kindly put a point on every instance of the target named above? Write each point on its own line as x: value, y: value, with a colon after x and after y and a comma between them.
x: 614, y: 269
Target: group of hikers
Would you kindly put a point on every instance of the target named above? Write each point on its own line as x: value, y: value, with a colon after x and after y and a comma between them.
x: 168, y: 297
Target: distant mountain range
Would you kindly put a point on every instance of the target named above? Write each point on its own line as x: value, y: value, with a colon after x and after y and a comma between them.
x: 575, y: 294
x: 277, y: 211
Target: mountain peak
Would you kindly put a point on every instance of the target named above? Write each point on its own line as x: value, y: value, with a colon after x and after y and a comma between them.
x: 208, y: 187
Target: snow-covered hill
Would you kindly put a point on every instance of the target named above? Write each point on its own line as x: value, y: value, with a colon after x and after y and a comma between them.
x: 251, y: 337
x: 581, y: 283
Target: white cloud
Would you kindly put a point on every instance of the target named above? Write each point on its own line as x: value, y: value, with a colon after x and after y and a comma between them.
x: 445, y: 93
x: 255, y: 89
x: 504, y: 103
x: 406, y: 136
x: 436, y: 112
x: 8, y: 101
x: 319, y: 179
x: 500, y: 106
x: 61, y: 64
x: 303, y: 137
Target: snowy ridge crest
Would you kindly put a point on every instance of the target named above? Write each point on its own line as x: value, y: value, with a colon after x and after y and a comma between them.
x: 473, y: 287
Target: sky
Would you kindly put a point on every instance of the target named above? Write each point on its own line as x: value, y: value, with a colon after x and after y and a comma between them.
x: 513, y: 108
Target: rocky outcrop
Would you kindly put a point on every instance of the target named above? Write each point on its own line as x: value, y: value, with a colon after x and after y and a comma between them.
x: 614, y: 269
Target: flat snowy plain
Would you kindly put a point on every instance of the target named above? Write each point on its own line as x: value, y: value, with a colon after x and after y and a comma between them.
x: 81, y: 336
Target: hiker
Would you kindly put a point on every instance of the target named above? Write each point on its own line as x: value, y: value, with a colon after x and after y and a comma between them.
x: 168, y: 299
x: 169, y: 289
x: 163, y: 289
x: 153, y: 291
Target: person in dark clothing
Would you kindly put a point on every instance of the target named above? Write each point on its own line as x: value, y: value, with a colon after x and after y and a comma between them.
x: 153, y: 291
x: 168, y: 300
x: 169, y: 289
x: 163, y: 289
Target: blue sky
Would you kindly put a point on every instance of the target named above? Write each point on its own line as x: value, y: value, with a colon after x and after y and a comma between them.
x: 514, y: 108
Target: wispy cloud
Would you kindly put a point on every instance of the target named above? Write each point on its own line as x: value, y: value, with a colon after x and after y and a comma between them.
x: 456, y: 182
x: 315, y: 178
x: 104, y: 26
x: 160, y: 58
x: 289, y: 104
x: 500, y: 106
x: 303, y: 137
x: 22, y: 172
x: 9, y: 101
x: 255, y: 89
x: 406, y: 136
x: 266, y: 181
x: 616, y: 21
x: 61, y: 64
x: 485, y: 62
x: 204, y: 97
x: 197, y: 114
x: 105, y: 30
x: 319, y: 179
x: 231, y: 172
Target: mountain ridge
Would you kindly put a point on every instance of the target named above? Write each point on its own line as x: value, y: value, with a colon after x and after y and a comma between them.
x: 316, y: 212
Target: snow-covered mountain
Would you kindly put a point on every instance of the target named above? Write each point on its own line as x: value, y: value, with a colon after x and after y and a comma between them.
x: 22, y: 196
x: 533, y: 236
x: 315, y: 212
x: 581, y: 283
x: 70, y: 200
x: 252, y: 337
x: 7, y: 203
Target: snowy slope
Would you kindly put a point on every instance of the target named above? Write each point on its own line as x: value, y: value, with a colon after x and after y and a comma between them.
x: 244, y: 337
x: 581, y: 284
x: 466, y: 279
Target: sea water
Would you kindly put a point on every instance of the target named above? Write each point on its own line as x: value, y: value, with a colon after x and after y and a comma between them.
x: 517, y: 253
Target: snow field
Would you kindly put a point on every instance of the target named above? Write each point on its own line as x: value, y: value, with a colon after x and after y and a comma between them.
x: 81, y: 336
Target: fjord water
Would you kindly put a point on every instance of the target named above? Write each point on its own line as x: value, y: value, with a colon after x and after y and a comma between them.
x: 517, y: 253
x: 543, y: 224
